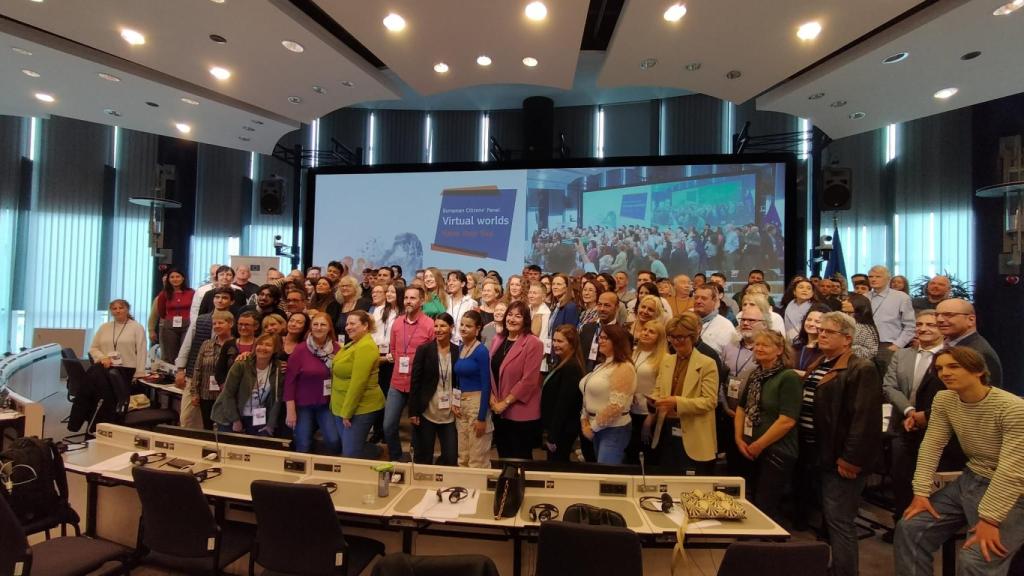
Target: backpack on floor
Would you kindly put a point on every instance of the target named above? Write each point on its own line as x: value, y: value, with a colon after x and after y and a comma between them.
x: 32, y: 479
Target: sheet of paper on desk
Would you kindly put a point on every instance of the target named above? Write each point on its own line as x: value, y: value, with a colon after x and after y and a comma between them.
x: 677, y: 516
x: 117, y: 462
x: 431, y: 509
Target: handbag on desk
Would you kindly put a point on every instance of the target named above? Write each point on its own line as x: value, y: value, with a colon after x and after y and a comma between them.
x: 509, y: 492
x: 586, y: 514
x: 700, y: 505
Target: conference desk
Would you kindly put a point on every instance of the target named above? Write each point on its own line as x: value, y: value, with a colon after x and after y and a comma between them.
x: 406, y: 517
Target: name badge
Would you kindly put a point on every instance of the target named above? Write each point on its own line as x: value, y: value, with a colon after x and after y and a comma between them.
x: 677, y: 431
x: 213, y: 385
x: 327, y: 387
x: 457, y: 398
x: 445, y: 401
x: 734, y: 388
x: 403, y: 364
x: 593, y: 349
x: 341, y: 339
x: 384, y: 348
x: 176, y: 322
x: 748, y: 427
x: 115, y: 358
x: 259, y: 416
x: 547, y: 345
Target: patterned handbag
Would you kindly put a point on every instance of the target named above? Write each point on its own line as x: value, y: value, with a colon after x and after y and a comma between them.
x: 700, y: 505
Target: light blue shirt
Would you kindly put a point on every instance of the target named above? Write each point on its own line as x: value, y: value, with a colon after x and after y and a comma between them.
x: 894, y: 316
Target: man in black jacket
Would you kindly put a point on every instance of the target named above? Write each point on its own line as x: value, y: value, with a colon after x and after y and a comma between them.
x: 959, y: 325
x: 843, y: 399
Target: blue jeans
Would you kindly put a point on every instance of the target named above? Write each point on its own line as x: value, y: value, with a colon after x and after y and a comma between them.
x: 320, y: 414
x: 840, y: 499
x: 610, y: 444
x: 353, y: 439
x: 917, y: 539
x: 392, y: 416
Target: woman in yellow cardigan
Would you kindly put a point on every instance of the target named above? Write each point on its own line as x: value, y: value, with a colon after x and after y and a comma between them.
x: 685, y: 396
x: 356, y: 399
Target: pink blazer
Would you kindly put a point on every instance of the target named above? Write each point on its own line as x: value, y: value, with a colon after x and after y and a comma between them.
x: 519, y: 376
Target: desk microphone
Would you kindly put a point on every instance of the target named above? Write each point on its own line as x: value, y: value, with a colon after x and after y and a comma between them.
x: 214, y: 456
x: 643, y: 476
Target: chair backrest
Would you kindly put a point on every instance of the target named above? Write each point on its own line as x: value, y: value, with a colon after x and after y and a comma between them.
x: 569, y: 548
x: 775, y: 559
x: 176, y: 517
x: 75, y: 371
x: 14, y: 546
x: 297, y: 529
x: 401, y: 564
x: 122, y: 391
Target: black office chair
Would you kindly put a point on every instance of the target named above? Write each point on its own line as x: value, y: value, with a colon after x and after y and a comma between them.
x: 297, y: 532
x: 401, y: 564
x: 570, y: 548
x: 74, y: 370
x: 775, y: 559
x: 177, y: 529
x: 147, y: 418
x: 70, y: 556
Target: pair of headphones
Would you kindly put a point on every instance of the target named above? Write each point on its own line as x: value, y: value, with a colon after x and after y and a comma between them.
x: 455, y: 494
x: 331, y: 487
x: 664, y: 503
x: 138, y: 460
x: 543, y: 512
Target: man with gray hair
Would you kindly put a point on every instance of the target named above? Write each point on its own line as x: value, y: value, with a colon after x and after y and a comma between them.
x: 893, y: 312
x: 840, y: 424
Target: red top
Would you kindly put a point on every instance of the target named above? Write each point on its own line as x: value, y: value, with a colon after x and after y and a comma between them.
x: 178, y: 305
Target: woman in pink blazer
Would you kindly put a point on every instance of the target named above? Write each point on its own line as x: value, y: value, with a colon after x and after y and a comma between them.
x: 515, y: 392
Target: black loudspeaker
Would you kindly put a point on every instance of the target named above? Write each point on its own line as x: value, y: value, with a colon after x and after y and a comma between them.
x: 272, y: 195
x: 538, y: 128
x: 837, y: 189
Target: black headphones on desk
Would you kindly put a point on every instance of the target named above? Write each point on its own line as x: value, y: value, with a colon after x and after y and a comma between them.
x: 456, y: 494
x: 543, y: 512
x: 664, y: 501
x: 331, y: 487
x: 138, y: 460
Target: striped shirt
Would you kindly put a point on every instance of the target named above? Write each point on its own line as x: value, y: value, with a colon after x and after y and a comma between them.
x: 806, y: 422
x: 991, y: 433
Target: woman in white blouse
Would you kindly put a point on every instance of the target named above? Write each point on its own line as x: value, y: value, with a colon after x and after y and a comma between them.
x: 651, y: 347
x: 120, y: 343
x: 608, y: 395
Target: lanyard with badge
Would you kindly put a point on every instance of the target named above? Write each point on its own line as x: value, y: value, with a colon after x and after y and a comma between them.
x: 593, y: 344
x: 259, y: 396
x: 444, y: 367
x: 115, y: 356
x: 403, y: 359
x: 735, y: 382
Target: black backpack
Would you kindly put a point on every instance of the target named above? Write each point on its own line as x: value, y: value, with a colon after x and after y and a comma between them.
x: 33, y: 480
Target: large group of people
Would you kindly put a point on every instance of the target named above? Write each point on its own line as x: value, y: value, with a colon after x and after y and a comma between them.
x: 613, y: 367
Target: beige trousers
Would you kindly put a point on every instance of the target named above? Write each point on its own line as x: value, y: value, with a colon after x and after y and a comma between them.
x: 473, y: 452
x: 191, y: 417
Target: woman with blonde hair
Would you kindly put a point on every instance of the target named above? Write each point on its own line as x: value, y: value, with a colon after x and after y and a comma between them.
x: 490, y: 296
x: 435, y: 299
x: 515, y: 289
x: 649, y: 308
x: 349, y: 292
x: 474, y: 283
x: 651, y: 348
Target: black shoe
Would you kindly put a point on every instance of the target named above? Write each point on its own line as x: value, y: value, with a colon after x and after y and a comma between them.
x: 888, y: 536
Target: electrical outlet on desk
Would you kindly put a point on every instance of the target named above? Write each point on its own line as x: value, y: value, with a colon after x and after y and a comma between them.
x: 211, y: 454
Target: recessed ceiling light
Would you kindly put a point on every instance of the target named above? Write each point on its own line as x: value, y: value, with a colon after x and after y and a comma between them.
x: 44, y: 97
x: 536, y: 11
x: 217, y: 1
x: 320, y: 90
x: 971, y: 55
x: 244, y: 138
x: 857, y: 115
x: 1009, y: 8
x: 190, y: 101
x: 733, y: 74
x: 529, y: 61
x: 182, y: 127
x: 897, y: 57
x: 441, y: 68
x: 152, y: 104
x: 394, y: 22
x: 220, y: 73
x: 295, y: 100
x: 132, y: 37
x: 218, y: 39
x: 112, y: 112
x: 808, y: 30
x: 838, y: 104
x: 293, y: 46
x: 648, y: 63
x: 30, y: 73
x: 257, y: 122
x: 693, y: 66
x: 348, y: 83
x: 21, y: 51
x: 483, y: 60
x: 816, y: 96
x: 108, y: 77
x: 675, y: 12
x: 38, y: 1
x: 248, y: 128
x: 946, y: 93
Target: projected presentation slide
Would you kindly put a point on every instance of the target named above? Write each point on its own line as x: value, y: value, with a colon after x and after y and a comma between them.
x: 669, y: 219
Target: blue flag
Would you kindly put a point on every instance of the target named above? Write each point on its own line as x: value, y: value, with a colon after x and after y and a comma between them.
x: 772, y: 217
x: 836, y: 263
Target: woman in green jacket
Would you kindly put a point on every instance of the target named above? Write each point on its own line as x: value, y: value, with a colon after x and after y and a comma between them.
x: 250, y: 399
x: 356, y: 399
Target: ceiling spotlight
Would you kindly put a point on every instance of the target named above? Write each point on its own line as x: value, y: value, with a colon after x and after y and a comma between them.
x: 857, y: 115
x: 108, y: 77
x: 536, y: 11
x: 838, y: 104
x: 132, y: 37
x: 182, y: 127
x: 152, y: 104
x: 217, y: 1
x: 293, y: 46
x: 733, y: 74
x: 295, y: 100
x: 816, y: 96
x: 348, y: 83
x: 648, y: 63
x: 441, y: 68
x: 248, y: 128
x: 190, y: 101
x: 111, y: 112
x: 483, y: 60
x: 897, y: 57
x: 693, y: 66
x: 21, y: 51
x: 1009, y: 8
x: 529, y: 61
x: 257, y: 122
x: 946, y: 93
x: 44, y: 97
x: 30, y: 73
x: 394, y: 22
x: 675, y: 12
x: 971, y: 55
x: 218, y: 39
x: 808, y: 31
x: 320, y: 90
x: 220, y: 73
x: 244, y: 138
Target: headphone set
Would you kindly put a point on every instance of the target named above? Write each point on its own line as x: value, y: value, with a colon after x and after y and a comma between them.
x: 331, y: 487
x: 661, y: 503
x: 455, y: 494
x: 543, y: 512
x: 138, y: 460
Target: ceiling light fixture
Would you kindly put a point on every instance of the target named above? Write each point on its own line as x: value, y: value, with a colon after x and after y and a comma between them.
x: 320, y: 90
x: 21, y: 51
x: 152, y: 104
x: 244, y: 138
x: 217, y: 1
x: 808, y: 31
x: 857, y: 115
x: 648, y: 63
x: 529, y: 61
x: 257, y: 122
x: 536, y: 11
x: 218, y: 39
x: 946, y: 93
x: 182, y: 127
x: 111, y: 112
x: 483, y: 60
x: 693, y: 66
x: 394, y: 22
x: 733, y: 74
x: 441, y: 68
x: 30, y: 73
x: 220, y: 73
x: 44, y: 97
x: 971, y: 55
x: 295, y: 100
x: 293, y: 46
x: 816, y: 96
x: 1009, y: 8
x: 897, y: 57
x: 132, y: 37
x: 838, y: 104
x: 190, y: 101
x: 108, y: 77
x: 248, y: 128
x: 348, y: 83
x: 675, y: 12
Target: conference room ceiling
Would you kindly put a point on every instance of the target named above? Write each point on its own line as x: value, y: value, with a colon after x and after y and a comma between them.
x: 860, y: 92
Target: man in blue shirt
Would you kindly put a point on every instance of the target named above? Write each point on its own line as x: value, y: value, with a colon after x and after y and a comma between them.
x: 893, y: 312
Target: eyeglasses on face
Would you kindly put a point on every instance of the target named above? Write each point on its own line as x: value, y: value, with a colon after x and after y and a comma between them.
x: 828, y: 332
x: 948, y: 315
